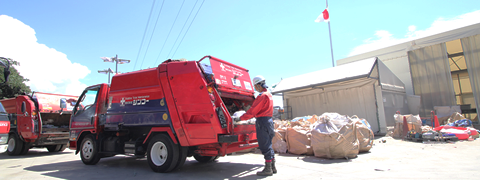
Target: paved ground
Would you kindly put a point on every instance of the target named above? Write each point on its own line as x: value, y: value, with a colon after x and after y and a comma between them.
x: 394, y: 159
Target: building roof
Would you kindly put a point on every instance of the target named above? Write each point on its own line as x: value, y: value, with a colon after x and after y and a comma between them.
x: 354, y: 70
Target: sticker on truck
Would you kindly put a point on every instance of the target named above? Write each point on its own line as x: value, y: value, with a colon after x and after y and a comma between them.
x: 230, y: 75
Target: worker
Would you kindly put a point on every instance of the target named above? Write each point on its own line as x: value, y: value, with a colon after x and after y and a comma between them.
x: 262, y: 110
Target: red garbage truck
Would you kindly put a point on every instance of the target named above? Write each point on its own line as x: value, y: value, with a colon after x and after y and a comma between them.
x: 38, y: 120
x: 168, y: 113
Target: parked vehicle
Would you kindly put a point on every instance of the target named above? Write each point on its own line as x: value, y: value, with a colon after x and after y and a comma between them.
x: 38, y: 120
x: 4, y: 120
x: 168, y: 113
x: 277, y: 113
x: 4, y: 128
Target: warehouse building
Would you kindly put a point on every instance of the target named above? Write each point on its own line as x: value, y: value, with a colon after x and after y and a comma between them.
x: 438, y: 70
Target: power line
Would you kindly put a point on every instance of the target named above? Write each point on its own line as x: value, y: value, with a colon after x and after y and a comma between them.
x: 144, y: 33
x: 188, y: 27
x: 180, y: 33
x: 154, y: 27
x: 169, y: 32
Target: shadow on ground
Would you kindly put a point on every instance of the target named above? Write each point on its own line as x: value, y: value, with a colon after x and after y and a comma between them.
x: 124, y: 167
x: 32, y: 154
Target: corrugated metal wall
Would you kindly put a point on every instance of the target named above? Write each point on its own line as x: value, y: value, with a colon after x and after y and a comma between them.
x: 471, y: 50
x: 431, y: 77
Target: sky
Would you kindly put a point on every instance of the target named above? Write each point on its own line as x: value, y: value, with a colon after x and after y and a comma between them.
x: 59, y: 43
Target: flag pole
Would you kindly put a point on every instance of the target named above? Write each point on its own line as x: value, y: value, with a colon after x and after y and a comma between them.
x: 330, y: 34
x: 331, y: 47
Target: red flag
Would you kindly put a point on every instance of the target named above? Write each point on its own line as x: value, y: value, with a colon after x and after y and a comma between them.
x: 323, y: 17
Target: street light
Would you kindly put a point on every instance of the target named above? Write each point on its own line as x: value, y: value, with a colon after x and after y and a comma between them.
x: 116, y: 60
x: 106, y: 71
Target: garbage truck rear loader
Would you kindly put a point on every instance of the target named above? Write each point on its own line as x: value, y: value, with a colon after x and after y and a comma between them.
x: 168, y: 113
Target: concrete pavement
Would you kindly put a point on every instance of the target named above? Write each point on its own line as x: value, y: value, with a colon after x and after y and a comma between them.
x: 394, y: 159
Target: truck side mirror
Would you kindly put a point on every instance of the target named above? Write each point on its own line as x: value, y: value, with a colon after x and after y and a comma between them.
x: 63, y: 103
x: 24, y: 107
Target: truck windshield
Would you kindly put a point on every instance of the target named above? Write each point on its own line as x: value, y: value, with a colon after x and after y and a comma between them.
x: 3, y: 113
x: 2, y: 109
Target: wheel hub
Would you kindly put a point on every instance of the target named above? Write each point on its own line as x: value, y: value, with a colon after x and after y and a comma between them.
x: 159, y: 153
x: 87, y: 150
x: 11, y: 145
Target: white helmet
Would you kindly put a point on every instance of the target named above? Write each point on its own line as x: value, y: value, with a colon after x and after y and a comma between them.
x: 258, y: 79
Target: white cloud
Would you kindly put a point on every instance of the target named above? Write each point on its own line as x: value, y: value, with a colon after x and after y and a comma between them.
x: 384, y: 39
x: 48, y: 69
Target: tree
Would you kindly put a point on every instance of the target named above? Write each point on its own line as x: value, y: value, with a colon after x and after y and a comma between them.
x: 16, y: 83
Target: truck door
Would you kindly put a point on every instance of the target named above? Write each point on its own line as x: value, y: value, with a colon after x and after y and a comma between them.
x: 84, y: 113
x: 25, y: 115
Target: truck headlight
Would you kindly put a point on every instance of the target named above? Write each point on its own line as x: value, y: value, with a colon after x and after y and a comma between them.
x: 3, y: 139
x: 73, y: 135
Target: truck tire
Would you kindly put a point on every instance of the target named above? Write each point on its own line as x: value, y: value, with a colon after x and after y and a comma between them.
x: 25, y: 148
x: 15, y: 145
x: 64, y: 146
x: 181, y: 158
x: 162, y: 154
x: 53, y: 148
x: 89, y: 151
x: 205, y: 159
x: 56, y: 148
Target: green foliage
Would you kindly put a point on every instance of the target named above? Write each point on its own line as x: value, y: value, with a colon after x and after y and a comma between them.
x: 16, y: 83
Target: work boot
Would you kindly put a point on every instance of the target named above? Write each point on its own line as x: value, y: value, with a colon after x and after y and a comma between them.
x: 274, y: 170
x: 267, y: 171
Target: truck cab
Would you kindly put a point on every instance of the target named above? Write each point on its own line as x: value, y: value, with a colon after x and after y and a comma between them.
x: 176, y: 110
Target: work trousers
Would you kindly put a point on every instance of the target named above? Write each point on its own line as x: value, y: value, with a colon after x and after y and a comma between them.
x: 265, y: 133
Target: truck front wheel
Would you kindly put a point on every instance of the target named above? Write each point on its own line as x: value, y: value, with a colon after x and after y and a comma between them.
x: 15, y: 145
x: 162, y: 154
x: 89, y: 151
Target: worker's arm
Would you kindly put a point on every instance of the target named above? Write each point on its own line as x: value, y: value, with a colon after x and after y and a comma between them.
x: 256, y: 107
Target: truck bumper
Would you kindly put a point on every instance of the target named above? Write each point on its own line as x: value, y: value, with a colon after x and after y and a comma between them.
x: 3, y: 142
x: 3, y: 147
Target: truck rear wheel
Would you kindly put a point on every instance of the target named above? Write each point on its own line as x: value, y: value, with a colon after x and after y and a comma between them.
x: 25, y: 148
x: 56, y: 148
x: 182, y: 157
x: 15, y: 145
x: 64, y: 146
x: 89, y: 151
x: 204, y: 159
x: 53, y: 148
x: 162, y: 154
